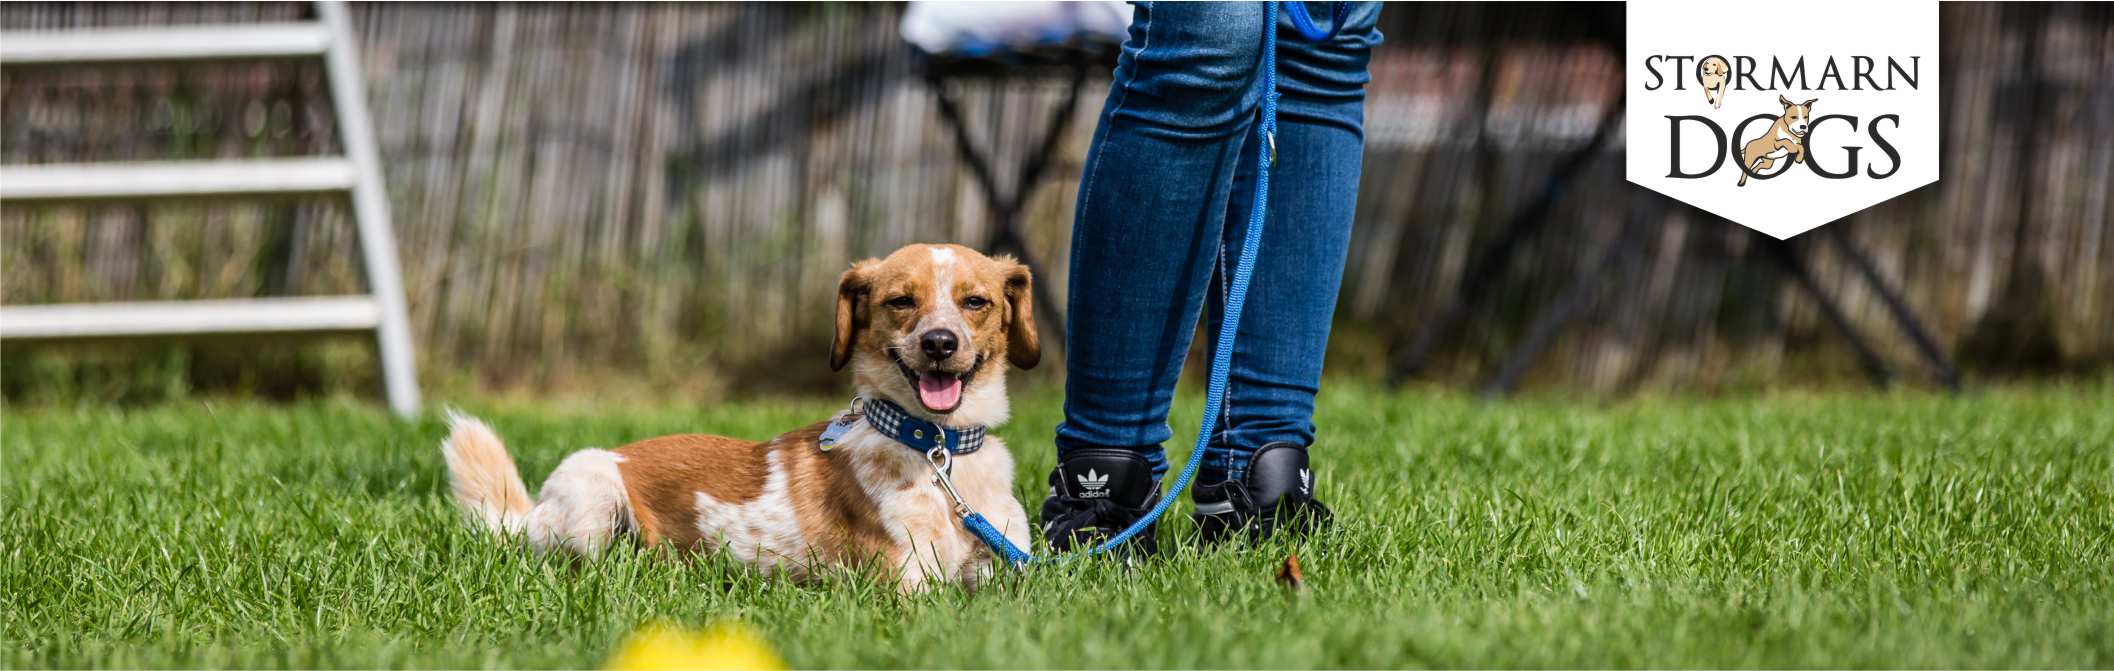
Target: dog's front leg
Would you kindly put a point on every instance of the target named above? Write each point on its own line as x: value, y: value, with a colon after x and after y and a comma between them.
x: 976, y: 570
x: 1797, y: 149
x: 912, y: 575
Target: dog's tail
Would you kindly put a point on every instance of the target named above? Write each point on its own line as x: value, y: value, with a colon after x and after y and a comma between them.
x: 483, y: 476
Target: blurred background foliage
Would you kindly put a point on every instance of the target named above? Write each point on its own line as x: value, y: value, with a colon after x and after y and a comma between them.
x: 662, y: 195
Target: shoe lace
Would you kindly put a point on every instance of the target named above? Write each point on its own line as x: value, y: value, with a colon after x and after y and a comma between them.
x: 1102, y: 516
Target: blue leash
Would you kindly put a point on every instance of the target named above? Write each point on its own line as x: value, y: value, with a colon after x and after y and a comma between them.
x: 1236, y: 297
x: 1340, y: 11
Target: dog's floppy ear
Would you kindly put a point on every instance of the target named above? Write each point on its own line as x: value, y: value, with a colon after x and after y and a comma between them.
x: 1808, y: 102
x: 852, y: 288
x: 1786, y: 102
x: 1023, y: 345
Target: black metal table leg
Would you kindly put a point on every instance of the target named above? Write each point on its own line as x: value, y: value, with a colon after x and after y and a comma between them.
x: 1788, y: 256
x: 1005, y: 207
x: 1559, y: 314
x: 1486, y: 265
x: 1947, y: 374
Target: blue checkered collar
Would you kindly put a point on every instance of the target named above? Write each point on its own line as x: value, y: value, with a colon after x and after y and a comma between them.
x: 910, y: 430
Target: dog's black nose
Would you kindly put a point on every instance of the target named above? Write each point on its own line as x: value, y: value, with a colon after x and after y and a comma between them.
x: 938, y: 344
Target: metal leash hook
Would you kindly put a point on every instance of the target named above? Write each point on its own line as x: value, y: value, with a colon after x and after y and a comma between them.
x: 942, y: 463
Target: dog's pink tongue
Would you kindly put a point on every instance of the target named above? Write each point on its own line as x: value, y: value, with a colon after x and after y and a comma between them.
x: 939, y: 392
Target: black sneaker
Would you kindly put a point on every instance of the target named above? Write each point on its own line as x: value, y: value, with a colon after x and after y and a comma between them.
x: 1277, y: 494
x: 1096, y: 493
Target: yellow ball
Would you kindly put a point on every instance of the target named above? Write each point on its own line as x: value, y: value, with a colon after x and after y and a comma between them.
x: 725, y: 645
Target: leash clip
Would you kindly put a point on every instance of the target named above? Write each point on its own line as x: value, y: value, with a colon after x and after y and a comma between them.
x: 942, y: 463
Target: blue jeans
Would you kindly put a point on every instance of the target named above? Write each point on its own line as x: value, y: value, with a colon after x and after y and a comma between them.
x: 1171, y: 164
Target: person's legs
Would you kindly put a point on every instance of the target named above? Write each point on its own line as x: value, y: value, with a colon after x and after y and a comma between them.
x: 1150, y: 216
x: 1284, y: 327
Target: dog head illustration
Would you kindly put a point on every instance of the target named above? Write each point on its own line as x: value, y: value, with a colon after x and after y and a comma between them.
x: 1797, y: 116
x: 1713, y: 72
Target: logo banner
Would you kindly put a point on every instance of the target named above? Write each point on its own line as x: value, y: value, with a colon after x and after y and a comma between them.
x: 1782, y: 116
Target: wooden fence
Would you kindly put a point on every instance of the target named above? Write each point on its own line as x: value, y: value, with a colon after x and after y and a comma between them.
x: 650, y: 187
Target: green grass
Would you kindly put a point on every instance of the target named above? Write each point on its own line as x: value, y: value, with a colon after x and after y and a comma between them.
x: 1797, y: 529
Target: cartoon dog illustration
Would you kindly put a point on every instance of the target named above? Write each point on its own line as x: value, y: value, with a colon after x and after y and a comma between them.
x: 1712, y: 73
x: 1786, y: 137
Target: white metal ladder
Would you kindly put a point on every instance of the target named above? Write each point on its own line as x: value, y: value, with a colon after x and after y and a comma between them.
x: 358, y: 173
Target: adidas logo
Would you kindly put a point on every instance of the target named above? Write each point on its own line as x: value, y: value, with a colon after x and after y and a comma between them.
x: 1306, y: 482
x: 1095, y: 485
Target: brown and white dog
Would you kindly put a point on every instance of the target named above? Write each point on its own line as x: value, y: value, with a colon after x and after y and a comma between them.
x: 1786, y: 137
x: 931, y: 328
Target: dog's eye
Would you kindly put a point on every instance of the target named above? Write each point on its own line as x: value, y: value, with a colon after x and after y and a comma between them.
x: 903, y: 302
x: 975, y: 303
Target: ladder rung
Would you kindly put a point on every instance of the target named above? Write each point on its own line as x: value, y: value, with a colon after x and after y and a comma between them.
x: 172, y: 179
x: 254, y: 315
x: 178, y: 43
